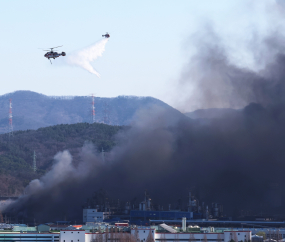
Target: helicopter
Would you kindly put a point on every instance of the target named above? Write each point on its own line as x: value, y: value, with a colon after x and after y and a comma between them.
x: 106, y: 35
x: 52, y: 54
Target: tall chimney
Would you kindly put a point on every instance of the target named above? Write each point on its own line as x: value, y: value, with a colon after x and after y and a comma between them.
x: 184, y: 224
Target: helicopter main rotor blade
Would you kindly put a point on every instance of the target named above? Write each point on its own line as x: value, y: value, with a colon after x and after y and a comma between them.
x: 56, y: 47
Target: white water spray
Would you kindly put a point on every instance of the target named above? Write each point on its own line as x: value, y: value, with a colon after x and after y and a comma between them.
x: 84, y: 57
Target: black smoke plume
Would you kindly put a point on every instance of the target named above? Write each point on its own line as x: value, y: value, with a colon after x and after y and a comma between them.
x: 237, y: 160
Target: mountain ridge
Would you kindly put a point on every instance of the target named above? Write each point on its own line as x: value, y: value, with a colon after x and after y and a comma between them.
x: 32, y: 110
x: 213, y: 113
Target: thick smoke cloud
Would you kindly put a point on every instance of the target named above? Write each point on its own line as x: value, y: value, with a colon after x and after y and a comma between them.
x: 214, y: 80
x: 236, y: 160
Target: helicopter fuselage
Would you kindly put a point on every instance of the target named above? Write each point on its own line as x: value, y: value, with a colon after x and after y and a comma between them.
x: 106, y: 35
x: 53, y: 54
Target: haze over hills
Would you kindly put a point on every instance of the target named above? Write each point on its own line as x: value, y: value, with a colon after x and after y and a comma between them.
x: 32, y: 110
x: 213, y: 113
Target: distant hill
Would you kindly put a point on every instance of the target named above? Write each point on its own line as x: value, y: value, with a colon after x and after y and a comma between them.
x: 32, y: 110
x: 213, y: 113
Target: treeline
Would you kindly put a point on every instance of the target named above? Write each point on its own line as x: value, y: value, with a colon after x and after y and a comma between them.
x: 16, y: 152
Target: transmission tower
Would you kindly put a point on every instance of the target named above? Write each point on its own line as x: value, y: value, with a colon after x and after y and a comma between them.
x: 93, y: 109
x: 34, y: 162
x: 106, y: 113
x: 10, y: 128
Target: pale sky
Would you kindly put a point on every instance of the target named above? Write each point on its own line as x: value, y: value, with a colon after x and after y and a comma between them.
x: 147, y: 51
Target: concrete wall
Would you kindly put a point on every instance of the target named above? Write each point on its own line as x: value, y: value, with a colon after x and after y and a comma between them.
x: 143, y: 233
x: 72, y: 236
x: 271, y: 233
x: 174, y: 237
x: 237, y: 235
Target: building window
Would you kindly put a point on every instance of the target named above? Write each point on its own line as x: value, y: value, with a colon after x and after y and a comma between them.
x: 71, y: 240
x: 144, y: 231
x: 63, y: 240
x: 238, y: 233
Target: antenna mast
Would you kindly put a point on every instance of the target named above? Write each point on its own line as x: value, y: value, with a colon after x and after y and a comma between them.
x: 93, y: 109
x: 106, y: 113
x: 34, y: 162
x: 10, y: 129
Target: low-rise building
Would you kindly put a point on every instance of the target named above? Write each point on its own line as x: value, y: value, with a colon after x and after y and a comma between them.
x: 147, y: 234
x: 29, y: 237
x: 92, y: 215
x: 43, y: 228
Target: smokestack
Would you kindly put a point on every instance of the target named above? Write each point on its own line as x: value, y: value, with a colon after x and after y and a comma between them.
x: 148, y: 204
x: 207, y: 213
x: 184, y: 224
x: 189, y: 203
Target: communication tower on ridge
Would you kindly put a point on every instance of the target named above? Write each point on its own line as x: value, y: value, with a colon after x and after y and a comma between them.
x: 93, y: 109
x: 10, y: 128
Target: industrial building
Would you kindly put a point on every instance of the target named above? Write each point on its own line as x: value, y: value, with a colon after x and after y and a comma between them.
x: 136, y: 216
x: 101, y: 208
x: 29, y: 236
x: 122, y: 232
x: 92, y: 215
x: 164, y: 233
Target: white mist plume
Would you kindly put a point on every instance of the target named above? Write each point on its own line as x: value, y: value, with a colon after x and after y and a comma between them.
x: 5, y: 203
x: 62, y: 171
x: 84, y: 57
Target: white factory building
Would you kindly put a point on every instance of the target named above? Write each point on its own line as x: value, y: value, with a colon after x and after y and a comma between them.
x: 149, y: 234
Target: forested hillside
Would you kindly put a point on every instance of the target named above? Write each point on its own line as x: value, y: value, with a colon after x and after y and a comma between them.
x: 16, y: 153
